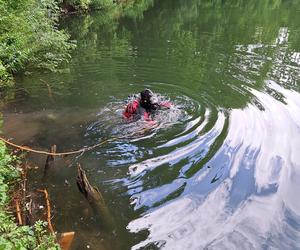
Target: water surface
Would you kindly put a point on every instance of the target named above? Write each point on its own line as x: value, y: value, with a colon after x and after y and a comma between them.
x: 221, y: 169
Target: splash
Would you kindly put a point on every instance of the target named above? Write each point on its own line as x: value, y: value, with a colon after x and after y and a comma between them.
x: 111, y: 122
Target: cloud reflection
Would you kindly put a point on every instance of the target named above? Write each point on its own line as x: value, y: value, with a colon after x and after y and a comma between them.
x: 245, y: 195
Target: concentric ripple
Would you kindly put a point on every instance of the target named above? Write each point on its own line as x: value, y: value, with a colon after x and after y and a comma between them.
x: 244, y: 180
x: 184, y: 128
x: 181, y: 139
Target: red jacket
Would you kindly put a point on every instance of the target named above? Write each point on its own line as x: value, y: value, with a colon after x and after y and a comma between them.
x: 134, y: 108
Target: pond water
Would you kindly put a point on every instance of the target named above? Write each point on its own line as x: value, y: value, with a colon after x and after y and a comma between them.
x: 221, y: 168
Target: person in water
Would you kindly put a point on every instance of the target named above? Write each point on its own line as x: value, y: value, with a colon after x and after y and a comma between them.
x: 144, y: 107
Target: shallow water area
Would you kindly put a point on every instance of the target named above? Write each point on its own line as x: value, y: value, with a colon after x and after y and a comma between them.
x: 219, y: 170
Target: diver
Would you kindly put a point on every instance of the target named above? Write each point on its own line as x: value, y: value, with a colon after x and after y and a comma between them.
x: 144, y: 107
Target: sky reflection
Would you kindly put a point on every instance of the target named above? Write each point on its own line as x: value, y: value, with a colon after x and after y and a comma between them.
x: 260, y: 170
x: 245, y: 195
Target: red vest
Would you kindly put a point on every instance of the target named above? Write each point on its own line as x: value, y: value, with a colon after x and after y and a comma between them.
x: 133, y: 109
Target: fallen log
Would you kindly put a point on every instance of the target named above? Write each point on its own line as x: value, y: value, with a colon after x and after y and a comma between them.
x: 95, y: 199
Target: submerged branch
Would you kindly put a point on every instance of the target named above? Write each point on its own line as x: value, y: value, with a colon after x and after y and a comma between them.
x: 48, y: 209
x: 19, y: 212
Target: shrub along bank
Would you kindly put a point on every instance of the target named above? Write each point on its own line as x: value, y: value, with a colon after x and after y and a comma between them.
x: 13, y: 236
x: 29, y: 34
x: 30, y: 38
x: 85, y: 5
x: 75, y: 5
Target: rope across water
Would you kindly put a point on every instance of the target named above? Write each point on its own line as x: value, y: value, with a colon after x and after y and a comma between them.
x: 25, y: 148
x: 28, y: 149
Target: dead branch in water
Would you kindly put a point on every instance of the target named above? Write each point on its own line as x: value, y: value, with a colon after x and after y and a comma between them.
x: 48, y: 209
x: 95, y: 198
x: 19, y: 215
x: 50, y: 94
x: 49, y: 160
x: 31, y: 206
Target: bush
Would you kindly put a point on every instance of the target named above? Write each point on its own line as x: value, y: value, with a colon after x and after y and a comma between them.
x: 77, y: 4
x: 99, y: 4
x: 30, y: 38
x: 88, y: 4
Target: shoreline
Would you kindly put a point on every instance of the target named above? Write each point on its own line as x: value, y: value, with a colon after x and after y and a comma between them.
x: 15, y: 231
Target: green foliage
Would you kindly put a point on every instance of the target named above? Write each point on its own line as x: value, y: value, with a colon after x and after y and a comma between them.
x: 30, y: 38
x: 99, y: 4
x: 24, y: 237
x: 13, y: 236
x: 8, y: 173
x: 78, y: 4
x: 135, y: 9
x: 126, y: 7
x: 4, y: 76
x: 86, y: 5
